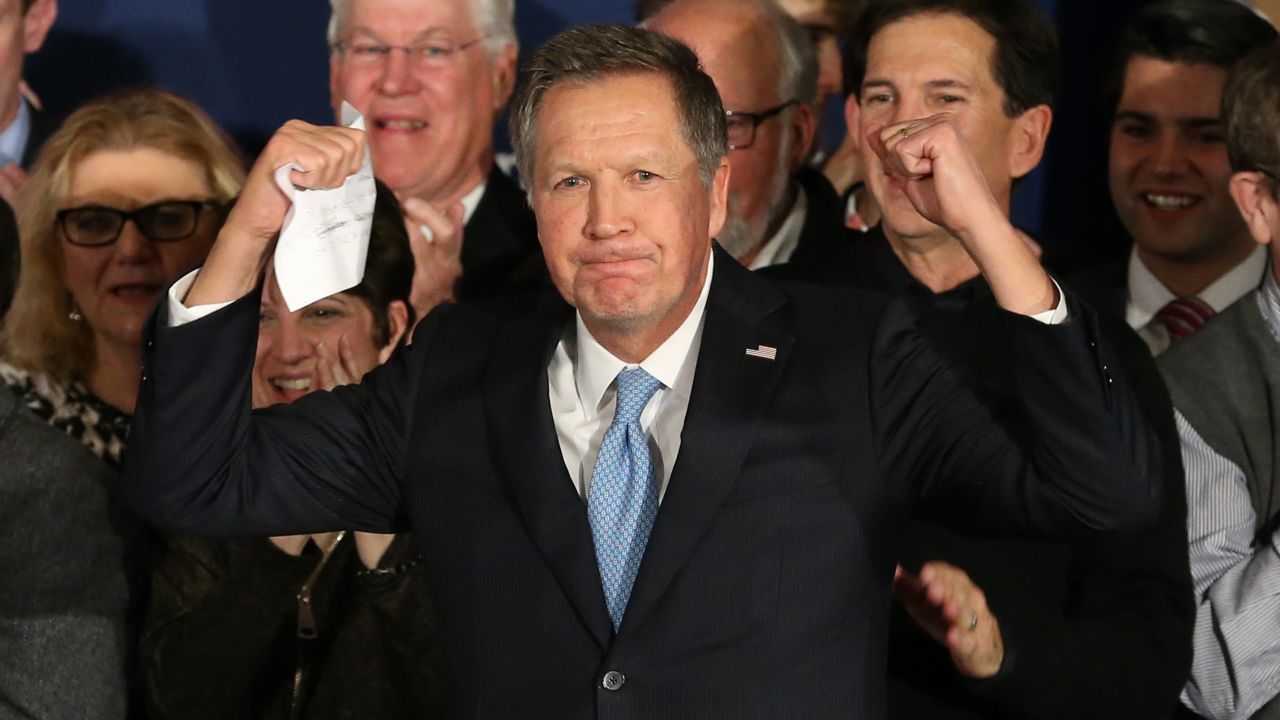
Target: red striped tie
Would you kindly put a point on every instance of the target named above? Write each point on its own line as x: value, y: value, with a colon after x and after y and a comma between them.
x: 1183, y: 316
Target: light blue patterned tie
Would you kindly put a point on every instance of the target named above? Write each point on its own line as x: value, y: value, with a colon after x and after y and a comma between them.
x: 624, y: 499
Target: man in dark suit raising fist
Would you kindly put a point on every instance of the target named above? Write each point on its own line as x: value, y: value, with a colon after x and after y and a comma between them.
x: 672, y: 489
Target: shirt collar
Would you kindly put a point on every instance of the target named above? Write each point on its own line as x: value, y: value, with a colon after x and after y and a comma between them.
x: 782, y: 245
x: 472, y: 200
x: 596, y: 367
x: 13, y: 139
x: 1147, y: 294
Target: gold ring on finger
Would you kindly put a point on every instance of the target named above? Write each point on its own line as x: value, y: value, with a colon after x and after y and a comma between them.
x: 973, y: 620
x: 904, y: 133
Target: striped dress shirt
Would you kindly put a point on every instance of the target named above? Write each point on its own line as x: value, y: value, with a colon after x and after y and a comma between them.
x: 1236, y: 665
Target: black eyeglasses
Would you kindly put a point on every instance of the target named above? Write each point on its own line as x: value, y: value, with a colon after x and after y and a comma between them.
x: 742, y: 125
x: 98, y: 225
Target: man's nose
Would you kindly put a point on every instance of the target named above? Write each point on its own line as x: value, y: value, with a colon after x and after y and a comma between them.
x: 398, y: 73
x: 607, y: 211
x: 1170, y: 154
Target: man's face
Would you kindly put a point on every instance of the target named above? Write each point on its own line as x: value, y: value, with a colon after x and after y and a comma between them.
x: 624, y: 220
x: 928, y: 64
x: 817, y: 18
x: 21, y: 33
x: 1169, y: 170
x: 740, y: 54
x: 430, y: 128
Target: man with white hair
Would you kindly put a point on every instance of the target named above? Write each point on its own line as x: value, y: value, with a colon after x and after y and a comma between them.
x: 763, y: 65
x: 430, y: 79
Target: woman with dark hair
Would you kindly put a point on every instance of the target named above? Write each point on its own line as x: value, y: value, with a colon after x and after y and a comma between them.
x: 307, y: 626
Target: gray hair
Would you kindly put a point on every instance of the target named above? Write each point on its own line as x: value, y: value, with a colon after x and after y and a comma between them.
x: 799, y: 72
x: 591, y: 53
x: 494, y: 19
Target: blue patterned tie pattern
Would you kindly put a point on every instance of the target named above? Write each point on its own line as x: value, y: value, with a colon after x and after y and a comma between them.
x: 623, y: 501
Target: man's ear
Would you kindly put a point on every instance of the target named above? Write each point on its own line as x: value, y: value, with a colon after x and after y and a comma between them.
x: 504, y: 75
x: 1030, y: 134
x: 719, y: 198
x: 852, y: 116
x: 398, y: 324
x: 804, y: 125
x: 36, y: 24
x: 1256, y: 201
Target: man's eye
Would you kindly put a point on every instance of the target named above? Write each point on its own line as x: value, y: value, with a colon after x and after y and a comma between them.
x: 433, y: 51
x: 1211, y: 138
x: 949, y: 99
x: 645, y: 176
x: 877, y: 98
x: 570, y: 182
x: 368, y: 50
x: 1136, y: 131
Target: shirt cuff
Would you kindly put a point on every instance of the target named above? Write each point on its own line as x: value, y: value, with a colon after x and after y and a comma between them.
x: 1056, y: 316
x: 180, y: 314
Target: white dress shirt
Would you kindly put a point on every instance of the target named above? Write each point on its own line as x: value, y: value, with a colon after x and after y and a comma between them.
x: 779, y: 248
x: 1147, y: 295
x: 581, y: 378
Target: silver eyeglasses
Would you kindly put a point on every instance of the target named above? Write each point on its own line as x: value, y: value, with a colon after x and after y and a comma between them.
x: 434, y: 53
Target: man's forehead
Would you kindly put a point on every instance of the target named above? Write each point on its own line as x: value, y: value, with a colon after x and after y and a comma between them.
x: 409, y: 17
x: 1172, y: 88
x: 932, y: 48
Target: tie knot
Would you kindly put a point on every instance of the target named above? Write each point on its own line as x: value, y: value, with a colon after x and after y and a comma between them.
x: 1183, y: 316
x: 635, y: 388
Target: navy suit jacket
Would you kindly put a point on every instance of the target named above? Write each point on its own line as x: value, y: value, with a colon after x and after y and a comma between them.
x: 764, y: 589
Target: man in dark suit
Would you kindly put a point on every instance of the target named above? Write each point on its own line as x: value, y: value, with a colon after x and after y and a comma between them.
x: 673, y: 490
x: 1096, y: 627
x: 763, y: 64
x: 23, y: 27
x: 430, y: 79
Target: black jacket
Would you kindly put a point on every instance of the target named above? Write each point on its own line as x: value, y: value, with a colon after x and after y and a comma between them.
x: 764, y: 589
x: 1099, y: 628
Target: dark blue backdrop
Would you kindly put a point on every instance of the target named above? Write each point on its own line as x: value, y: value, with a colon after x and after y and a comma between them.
x: 255, y: 64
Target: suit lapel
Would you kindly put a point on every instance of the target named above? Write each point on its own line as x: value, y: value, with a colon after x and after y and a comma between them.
x: 524, y: 434
x: 730, y: 393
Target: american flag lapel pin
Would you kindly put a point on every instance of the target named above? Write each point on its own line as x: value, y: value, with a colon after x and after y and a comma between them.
x: 763, y: 351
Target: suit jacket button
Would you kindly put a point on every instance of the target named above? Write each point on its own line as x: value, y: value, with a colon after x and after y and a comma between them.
x: 613, y: 681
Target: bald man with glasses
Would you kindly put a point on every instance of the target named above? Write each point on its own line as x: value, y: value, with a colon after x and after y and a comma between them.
x: 763, y: 65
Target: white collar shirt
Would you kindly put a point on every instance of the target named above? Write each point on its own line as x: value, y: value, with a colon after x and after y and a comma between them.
x: 1147, y: 294
x: 580, y: 380
x: 783, y: 244
x: 471, y: 200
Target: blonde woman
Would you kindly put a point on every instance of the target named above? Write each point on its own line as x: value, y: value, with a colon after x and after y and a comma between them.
x: 123, y: 199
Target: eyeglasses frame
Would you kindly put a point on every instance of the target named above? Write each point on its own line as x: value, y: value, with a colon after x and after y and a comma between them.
x: 60, y: 219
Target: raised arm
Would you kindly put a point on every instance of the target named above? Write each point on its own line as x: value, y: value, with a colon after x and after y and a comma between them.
x: 199, y: 462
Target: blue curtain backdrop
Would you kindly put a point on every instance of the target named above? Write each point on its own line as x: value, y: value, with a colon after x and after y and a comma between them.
x: 255, y: 64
